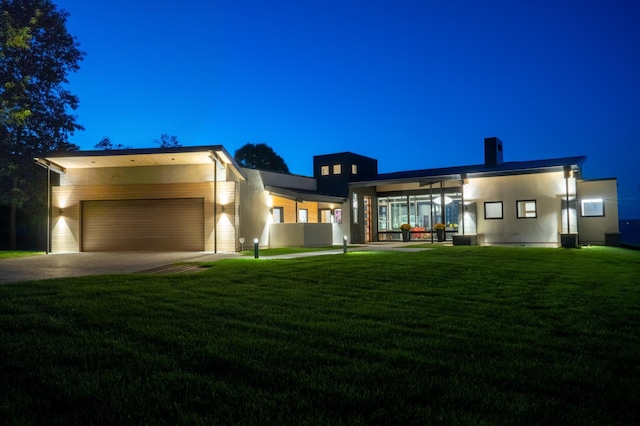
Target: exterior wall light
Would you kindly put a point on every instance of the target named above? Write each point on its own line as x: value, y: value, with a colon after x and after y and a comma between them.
x: 255, y: 248
x: 271, y: 210
x: 60, y: 212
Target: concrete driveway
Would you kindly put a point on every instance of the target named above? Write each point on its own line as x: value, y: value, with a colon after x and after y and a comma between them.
x: 80, y: 264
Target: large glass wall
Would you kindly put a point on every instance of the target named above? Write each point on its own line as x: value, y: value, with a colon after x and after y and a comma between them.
x: 418, y: 210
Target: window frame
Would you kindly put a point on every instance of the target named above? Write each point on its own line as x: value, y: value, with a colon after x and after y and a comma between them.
x: 337, y: 215
x: 535, y: 209
x: 355, y: 206
x: 337, y: 169
x: 592, y: 200
x: 323, y: 211
x: 324, y: 170
x: 280, y: 211
x: 490, y: 203
x: 303, y: 215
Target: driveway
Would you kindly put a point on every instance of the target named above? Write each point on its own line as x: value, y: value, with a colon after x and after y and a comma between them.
x: 79, y: 264
x: 61, y: 265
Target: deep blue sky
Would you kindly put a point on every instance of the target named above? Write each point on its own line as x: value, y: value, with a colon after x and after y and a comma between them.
x: 415, y: 84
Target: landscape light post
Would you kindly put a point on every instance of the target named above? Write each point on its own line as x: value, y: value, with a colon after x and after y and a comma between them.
x: 241, y: 243
x: 344, y: 245
x: 255, y: 248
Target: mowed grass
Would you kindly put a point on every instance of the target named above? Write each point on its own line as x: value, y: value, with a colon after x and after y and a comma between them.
x: 286, y: 250
x: 457, y: 335
x: 6, y: 254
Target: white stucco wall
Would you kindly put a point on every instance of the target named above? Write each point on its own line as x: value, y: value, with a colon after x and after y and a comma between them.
x: 592, y: 230
x: 255, y: 217
x: 547, y: 189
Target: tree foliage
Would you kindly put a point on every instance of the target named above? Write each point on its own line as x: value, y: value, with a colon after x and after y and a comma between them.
x: 106, y: 144
x: 36, y: 55
x: 168, y: 141
x: 260, y: 156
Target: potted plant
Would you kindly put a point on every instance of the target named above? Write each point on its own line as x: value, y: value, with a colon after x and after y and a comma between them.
x: 439, y: 228
x: 406, y: 232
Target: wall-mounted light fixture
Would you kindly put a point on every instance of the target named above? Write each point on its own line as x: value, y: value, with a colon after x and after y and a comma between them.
x: 222, y: 207
x: 60, y: 212
x: 271, y: 210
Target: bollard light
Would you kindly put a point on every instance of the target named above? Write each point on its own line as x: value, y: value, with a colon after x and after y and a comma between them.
x: 344, y: 244
x: 255, y: 248
x: 241, y: 243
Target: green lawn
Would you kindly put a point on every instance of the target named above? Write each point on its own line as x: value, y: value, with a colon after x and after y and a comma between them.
x: 454, y: 335
x: 287, y: 250
x: 5, y: 254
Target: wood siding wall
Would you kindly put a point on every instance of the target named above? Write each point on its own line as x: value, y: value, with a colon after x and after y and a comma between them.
x: 291, y: 208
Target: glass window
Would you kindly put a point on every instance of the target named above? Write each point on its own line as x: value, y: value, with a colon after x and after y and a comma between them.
x: 354, y: 204
x: 337, y: 169
x: 354, y: 169
x: 278, y: 214
x: 592, y: 207
x: 493, y: 210
x: 337, y: 214
x: 415, y: 210
x: 324, y: 170
x: 303, y: 215
x: 325, y: 216
x: 526, y: 209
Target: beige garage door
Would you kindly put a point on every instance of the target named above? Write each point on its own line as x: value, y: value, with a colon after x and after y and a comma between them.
x: 156, y: 225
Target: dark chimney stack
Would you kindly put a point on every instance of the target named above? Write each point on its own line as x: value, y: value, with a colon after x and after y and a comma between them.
x: 492, y: 152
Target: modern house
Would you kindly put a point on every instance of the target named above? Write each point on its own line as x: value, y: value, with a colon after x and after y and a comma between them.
x: 199, y: 199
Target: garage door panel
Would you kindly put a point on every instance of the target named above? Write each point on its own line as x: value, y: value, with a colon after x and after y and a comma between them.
x: 157, y: 225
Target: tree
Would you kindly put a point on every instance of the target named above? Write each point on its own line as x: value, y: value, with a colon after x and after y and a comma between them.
x: 106, y: 144
x: 260, y: 156
x: 168, y: 141
x: 36, y: 55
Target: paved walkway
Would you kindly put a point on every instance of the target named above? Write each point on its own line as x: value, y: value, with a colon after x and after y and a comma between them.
x: 60, y: 265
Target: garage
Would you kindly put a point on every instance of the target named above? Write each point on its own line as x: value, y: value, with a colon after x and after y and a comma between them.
x: 143, y: 225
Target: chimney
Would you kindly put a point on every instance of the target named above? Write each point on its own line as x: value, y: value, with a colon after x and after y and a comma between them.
x: 492, y: 151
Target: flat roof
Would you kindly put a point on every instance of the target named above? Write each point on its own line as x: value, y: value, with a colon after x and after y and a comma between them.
x: 478, y: 170
x: 139, y: 158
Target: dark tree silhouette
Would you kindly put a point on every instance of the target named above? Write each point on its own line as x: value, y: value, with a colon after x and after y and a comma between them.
x: 168, y: 141
x: 106, y: 144
x: 260, y: 156
x: 36, y: 55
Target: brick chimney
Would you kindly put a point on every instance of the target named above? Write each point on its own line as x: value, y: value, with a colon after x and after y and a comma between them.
x: 492, y: 151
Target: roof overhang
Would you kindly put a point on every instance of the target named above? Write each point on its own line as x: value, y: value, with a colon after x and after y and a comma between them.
x: 301, y: 196
x: 435, y: 176
x: 60, y: 162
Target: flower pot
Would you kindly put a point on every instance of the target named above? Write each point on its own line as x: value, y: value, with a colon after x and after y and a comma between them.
x: 440, y: 234
x: 406, y: 236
